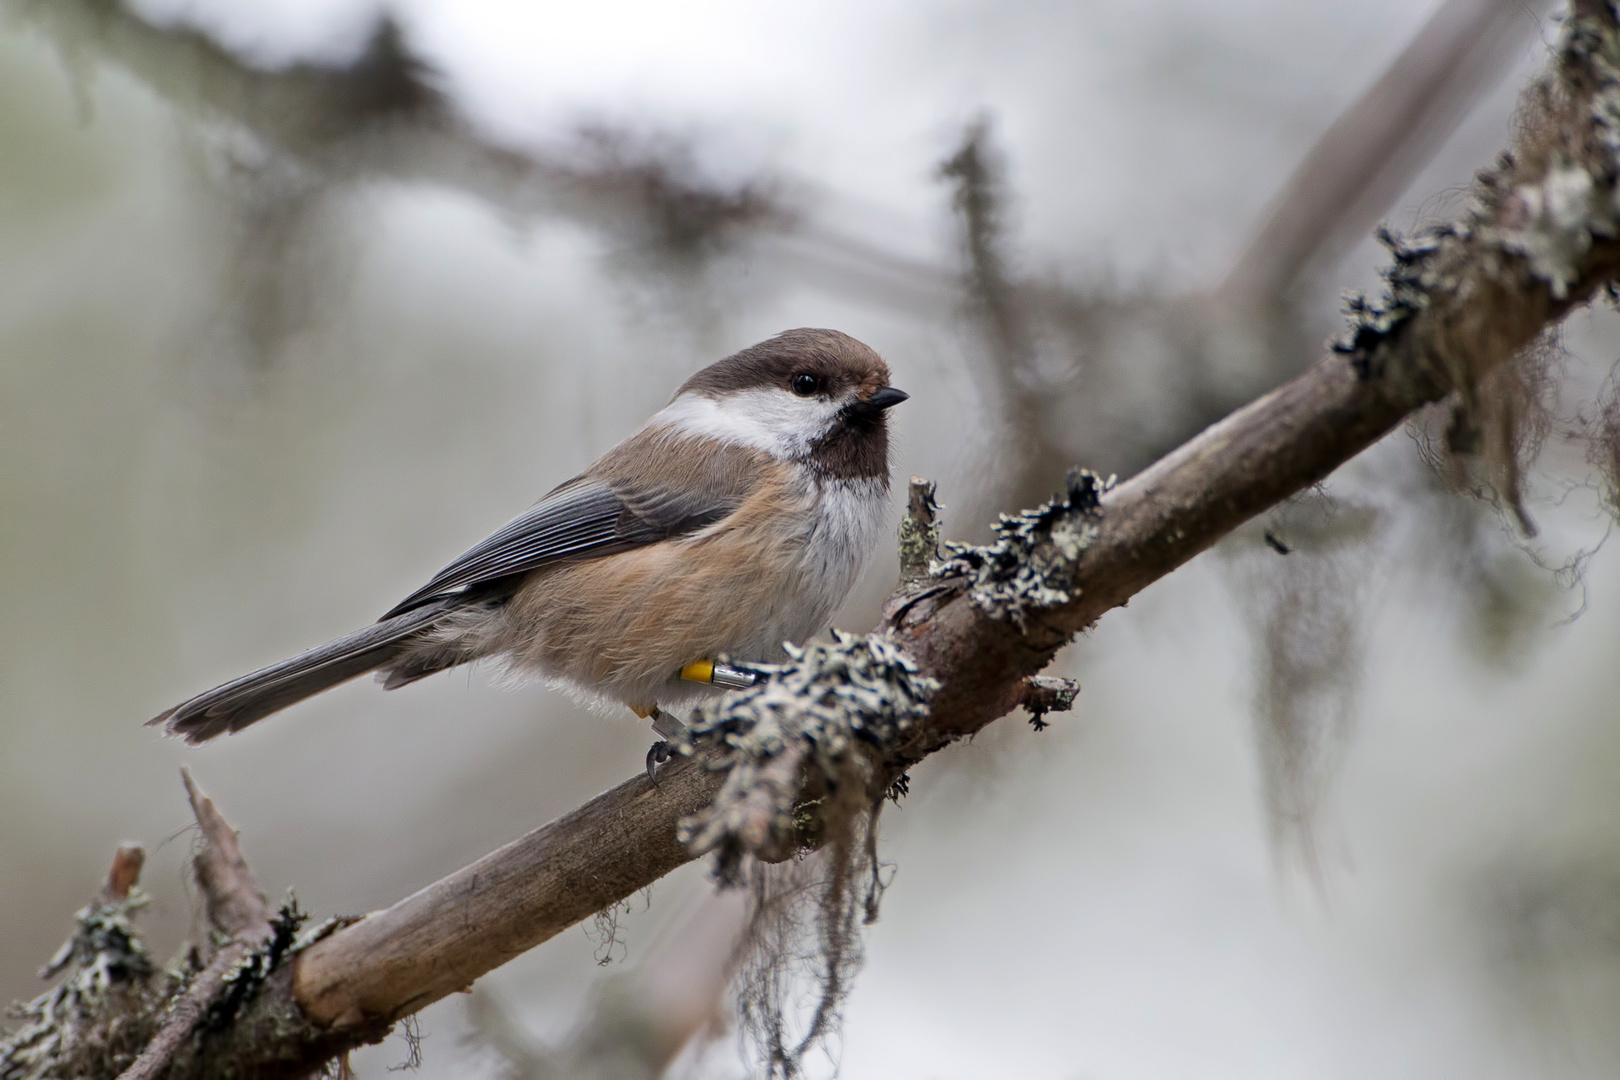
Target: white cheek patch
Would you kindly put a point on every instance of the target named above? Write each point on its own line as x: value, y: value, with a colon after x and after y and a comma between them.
x: 775, y: 421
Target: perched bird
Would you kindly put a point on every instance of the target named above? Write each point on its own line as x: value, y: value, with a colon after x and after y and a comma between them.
x: 737, y: 518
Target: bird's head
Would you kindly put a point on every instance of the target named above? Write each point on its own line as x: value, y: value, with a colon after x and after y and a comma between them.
x: 813, y: 396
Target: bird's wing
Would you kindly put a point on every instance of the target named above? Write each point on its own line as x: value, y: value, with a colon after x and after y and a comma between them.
x: 641, y: 492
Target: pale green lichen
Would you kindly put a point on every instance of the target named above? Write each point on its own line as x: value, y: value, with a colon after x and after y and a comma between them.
x: 919, y: 533
x: 114, y: 999
x: 1561, y: 215
x: 245, y: 977
x: 96, y: 1020
x: 834, y: 701
x: 1546, y: 204
x: 1030, y: 567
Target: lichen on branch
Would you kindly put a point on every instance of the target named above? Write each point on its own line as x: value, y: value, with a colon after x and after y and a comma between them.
x: 919, y: 533
x: 832, y: 708
x: 1466, y: 304
x: 95, y: 1021
x: 1534, y: 217
x: 1031, y: 564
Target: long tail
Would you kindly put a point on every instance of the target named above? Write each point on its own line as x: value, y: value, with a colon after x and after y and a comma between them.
x: 238, y: 703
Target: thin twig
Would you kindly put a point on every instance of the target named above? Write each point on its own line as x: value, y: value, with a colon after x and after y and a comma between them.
x: 125, y: 872
x: 235, y: 908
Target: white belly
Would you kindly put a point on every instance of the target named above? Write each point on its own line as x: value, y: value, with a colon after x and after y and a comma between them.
x: 848, y: 517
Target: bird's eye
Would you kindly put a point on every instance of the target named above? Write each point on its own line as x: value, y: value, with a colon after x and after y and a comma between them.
x: 806, y: 384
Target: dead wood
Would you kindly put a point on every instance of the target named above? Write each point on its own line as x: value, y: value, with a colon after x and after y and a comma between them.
x: 236, y: 910
x: 443, y: 938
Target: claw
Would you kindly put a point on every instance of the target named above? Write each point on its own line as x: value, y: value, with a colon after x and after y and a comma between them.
x: 658, y: 755
x: 667, y: 726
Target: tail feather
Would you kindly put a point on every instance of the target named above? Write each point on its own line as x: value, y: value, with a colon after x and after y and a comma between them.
x: 232, y: 706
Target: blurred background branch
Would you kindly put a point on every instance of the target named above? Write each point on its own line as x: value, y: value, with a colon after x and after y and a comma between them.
x: 315, y: 129
x: 1058, y: 359
x: 1375, y: 149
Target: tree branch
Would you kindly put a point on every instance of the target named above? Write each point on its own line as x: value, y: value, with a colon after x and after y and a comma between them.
x: 236, y: 909
x: 441, y: 939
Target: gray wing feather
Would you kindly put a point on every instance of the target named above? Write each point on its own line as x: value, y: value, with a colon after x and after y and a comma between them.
x: 581, y: 516
x: 585, y: 517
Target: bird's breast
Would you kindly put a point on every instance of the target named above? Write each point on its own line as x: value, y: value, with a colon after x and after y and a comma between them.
x: 846, y: 521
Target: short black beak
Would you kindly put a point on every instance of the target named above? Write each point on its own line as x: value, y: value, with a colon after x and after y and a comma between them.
x: 885, y: 397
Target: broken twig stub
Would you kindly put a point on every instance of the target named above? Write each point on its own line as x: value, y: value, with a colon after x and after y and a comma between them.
x: 919, y: 533
x: 1042, y: 694
x: 96, y: 1020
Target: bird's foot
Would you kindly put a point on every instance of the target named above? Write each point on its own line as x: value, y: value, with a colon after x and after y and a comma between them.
x: 669, y: 727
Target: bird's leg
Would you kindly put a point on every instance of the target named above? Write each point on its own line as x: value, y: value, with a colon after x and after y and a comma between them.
x: 667, y: 725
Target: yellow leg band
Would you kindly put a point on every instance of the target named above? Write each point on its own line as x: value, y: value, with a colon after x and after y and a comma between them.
x: 698, y: 671
x: 722, y: 675
x: 643, y: 711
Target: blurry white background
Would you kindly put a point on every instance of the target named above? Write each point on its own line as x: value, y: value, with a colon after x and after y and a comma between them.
x: 245, y: 406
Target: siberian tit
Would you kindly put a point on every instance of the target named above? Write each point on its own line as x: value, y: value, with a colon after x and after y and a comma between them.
x: 737, y: 518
